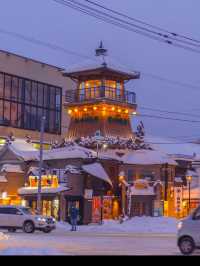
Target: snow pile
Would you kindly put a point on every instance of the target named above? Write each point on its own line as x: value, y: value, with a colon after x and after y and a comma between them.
x: 135, y: 225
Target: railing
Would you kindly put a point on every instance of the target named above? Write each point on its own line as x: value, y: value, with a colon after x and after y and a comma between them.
x: 95, y: 93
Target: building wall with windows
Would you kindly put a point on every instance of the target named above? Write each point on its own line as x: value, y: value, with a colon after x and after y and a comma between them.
x: 30, y: 89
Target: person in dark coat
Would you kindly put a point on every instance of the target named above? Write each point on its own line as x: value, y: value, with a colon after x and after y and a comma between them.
x: 74, y: 213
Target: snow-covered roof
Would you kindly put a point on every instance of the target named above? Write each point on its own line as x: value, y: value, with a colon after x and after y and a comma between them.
x: 69, y: 153
x: 97, y: 170
x: 45, y: 190
x: 178, y: 149
x: 99, y: 63
x: 11, y: 168
x: 22, y: 149
x: 147, y: 157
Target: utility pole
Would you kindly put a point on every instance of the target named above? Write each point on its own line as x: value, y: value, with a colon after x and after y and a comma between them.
x: 39, y: 195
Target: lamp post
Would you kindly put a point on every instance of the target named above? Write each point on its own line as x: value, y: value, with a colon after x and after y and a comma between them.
x: 123, y: 191
x: 39, y: 195
x: 189, y: 180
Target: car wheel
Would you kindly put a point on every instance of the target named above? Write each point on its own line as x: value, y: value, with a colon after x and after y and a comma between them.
x: 29, y: 227
x: 12, y: 230
x: 186, y: 246
x: 47, y: 230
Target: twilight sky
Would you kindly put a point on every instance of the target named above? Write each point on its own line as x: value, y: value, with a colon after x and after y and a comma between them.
x: 54, y: 23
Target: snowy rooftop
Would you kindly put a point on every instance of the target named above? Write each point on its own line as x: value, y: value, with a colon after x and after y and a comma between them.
x: 147, y: 157
x: 177, y: 148
x: 69, y: 152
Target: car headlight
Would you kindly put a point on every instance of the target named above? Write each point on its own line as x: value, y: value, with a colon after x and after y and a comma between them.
x: 180, y: 225
x: 41, y: 220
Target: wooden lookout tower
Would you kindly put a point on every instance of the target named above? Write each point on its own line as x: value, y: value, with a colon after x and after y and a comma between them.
x: 100, y: 102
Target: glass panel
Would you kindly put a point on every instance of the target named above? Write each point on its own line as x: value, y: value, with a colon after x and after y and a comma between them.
x: 14, y: 95
x: 40, y: 94
x: 1, y: 112
x: 27, y: 117
x: 33, y: 122
x: 14, y: 114
x: 6, y: 113
x: 28, y: 91
x: 58, y: 99
x: 1, y: 84
x: 7, y: 87
x: 34, y: 93
x: 53, y: 98
x: 46, y: 96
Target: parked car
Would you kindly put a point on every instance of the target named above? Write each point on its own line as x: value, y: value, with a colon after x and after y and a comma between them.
x: 18, y: 217
x: 189, y: 233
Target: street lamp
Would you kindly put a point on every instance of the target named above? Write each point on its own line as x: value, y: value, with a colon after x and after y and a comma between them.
x: 189, y: 180
x: 123, y: 191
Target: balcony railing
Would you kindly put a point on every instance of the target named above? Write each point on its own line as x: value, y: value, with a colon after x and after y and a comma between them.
x: 98, y: 93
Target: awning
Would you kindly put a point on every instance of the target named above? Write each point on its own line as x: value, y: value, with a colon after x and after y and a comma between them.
x: 3, y: 179
x: 97, y: 170
x: 45, y: 190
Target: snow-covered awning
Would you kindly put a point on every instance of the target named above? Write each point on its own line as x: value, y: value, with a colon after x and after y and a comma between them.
x: 97, y: 170
x: 45, y: 190
x: 11, y: 168
x: 3, y: 179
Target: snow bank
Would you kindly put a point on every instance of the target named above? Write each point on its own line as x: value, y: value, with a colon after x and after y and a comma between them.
x: 135, y: 225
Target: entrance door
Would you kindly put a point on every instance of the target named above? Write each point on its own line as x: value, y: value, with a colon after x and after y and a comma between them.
x: 139, y: 209
x: 78, y: 202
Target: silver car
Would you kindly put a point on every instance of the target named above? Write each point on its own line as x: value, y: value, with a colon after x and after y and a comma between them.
x: 189, y: 233
x: 18, y: 217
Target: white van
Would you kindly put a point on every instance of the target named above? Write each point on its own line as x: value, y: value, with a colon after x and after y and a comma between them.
x: 189, y: 233
x: 18, y: 217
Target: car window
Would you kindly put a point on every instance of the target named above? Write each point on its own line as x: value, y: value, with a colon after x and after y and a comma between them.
x: 10, y: 211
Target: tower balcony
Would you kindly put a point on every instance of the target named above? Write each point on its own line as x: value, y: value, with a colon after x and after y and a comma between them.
x: 100, y: 94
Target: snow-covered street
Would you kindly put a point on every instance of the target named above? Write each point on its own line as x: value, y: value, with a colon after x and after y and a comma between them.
x: 140, y: 236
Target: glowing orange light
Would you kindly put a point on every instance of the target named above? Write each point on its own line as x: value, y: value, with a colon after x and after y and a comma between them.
x: 69, y: 112
x: 126, y: 111
x: 104, y: 108
x: 95, y: 108
x: 76, y: 110
x: 85, y: 109
x: 119, y: 110
x: 113, y: 108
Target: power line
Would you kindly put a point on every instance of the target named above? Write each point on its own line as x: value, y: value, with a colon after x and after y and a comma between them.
x: 143, y: 22
x: 168, y: 118
x: 42, y: 43
x: 169, y: 112
x: 115, y: 21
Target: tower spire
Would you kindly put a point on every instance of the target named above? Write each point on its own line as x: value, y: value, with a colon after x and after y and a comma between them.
x: 101, y: 51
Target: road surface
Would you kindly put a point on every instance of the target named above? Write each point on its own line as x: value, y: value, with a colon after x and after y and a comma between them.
x: 62, y: 242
